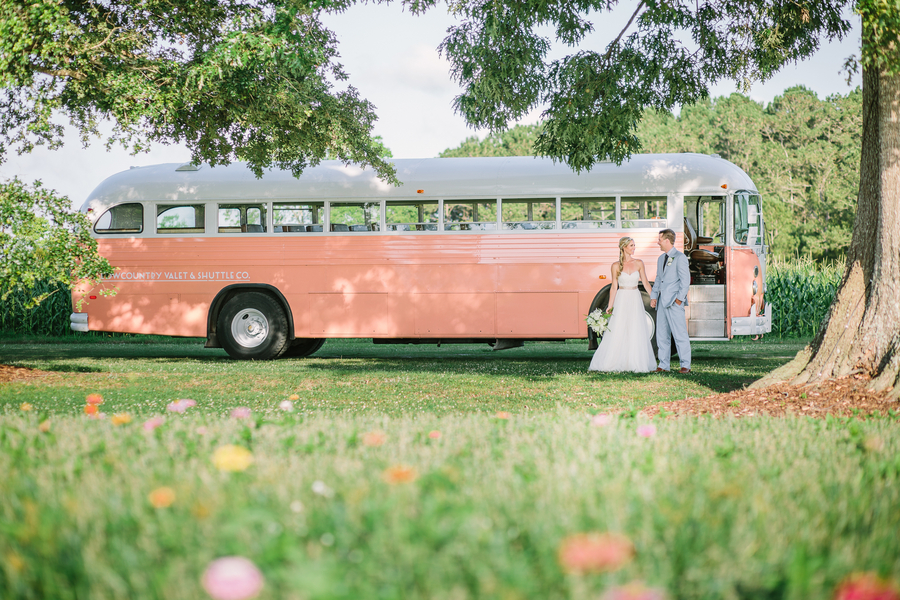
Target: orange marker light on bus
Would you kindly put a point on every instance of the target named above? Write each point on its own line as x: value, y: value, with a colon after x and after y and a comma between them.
x: 420, y: 191
x: 724, y: 186
x: 603, y: 277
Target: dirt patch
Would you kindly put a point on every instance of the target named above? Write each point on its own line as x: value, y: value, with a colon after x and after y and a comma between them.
x: 842, y: 397
x: 8, y: 373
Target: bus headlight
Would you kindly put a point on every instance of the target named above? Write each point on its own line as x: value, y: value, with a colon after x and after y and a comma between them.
x: 755, y: 287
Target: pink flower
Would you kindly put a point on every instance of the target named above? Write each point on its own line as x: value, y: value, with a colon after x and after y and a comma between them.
x: 94, y: 399
x: 434, y: 435
x: 241, y: 412
x: 232, y: 578
x: 286, y: 406
x: 601, y: 420
x: 152, y: 423
x: 503, y: 415
x: 866, y: 586
x: 633, y: 591
x: 373, y: 439
x: 180, y: 406
x: 595, y: 552
x: 647, y: 431
x: 201, y: 430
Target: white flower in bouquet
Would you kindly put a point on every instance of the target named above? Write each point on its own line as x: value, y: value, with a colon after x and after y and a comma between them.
x: 598, y: 321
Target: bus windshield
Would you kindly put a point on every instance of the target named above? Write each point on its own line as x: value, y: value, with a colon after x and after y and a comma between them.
x: 747, y: 219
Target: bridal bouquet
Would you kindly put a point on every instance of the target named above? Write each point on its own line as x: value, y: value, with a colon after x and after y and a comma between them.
x: 598, y: 321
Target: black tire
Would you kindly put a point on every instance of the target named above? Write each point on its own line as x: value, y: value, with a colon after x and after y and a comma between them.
x: 303, y: 347
x: 253, y: 326
x: 601, y: 301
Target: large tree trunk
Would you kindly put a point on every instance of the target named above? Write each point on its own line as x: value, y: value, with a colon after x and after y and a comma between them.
x: 862, y: 331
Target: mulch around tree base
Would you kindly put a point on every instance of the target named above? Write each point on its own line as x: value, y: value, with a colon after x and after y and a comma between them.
x: 843, y: 397
x: 8, y: 373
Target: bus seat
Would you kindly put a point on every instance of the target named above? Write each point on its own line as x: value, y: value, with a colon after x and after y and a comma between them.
x: 255, y: 229
x: 358, y: 228
x: 339, y: 227
x: 314, y: 228
x: 277, y: 228
x: 696, y: 256
x: 295, y: 228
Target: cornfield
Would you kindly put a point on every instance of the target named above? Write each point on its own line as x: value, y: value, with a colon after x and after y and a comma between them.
x: 800, y: 291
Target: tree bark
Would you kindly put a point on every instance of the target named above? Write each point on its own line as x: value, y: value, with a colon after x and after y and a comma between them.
x: 861, y: 333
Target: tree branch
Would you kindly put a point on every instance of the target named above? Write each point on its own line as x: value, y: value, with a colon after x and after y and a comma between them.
x: 624, y: 29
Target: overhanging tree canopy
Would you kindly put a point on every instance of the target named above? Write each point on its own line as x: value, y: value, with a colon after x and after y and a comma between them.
x: 247, y: 80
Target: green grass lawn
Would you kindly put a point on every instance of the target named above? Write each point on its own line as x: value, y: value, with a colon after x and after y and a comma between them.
x: 395, y: 477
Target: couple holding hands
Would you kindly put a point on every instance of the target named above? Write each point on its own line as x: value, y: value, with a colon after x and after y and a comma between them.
x: 626, y: 344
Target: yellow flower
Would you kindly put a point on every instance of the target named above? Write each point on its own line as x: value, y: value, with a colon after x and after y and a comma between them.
x: 121, y: 419
x: 232, y: 458
x: 25, y: 407
x: 44, y: 427
x: 162, y: 497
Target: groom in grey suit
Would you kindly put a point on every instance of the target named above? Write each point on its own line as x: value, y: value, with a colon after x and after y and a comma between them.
x: 669, y: 297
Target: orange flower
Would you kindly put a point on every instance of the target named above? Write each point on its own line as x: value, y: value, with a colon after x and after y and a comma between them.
x: 374, y: 438
x: 90, y: 409
x: 162, y: 497
x: 94, y: 399
x: 503, y: 415
x: 399, y: 474
x: 121, y: 419
x: 293, y: 397
x: 44, y: 427
x: 25, y: 407
x: 867, y: 586
x: 595, y: 552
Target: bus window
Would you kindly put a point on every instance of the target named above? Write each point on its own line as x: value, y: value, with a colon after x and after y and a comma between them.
x: 742, y: 224
x: 180, y: 218
x: 242, y: 218
x: 588, y: 213
x: 470, y: 215
x: 537, y: 213
x: 294, y: 217
x: 712, y: 218
x: 644, y: 211
x: 124, y: 218
x: 414, y: 216
x: 357, y: 216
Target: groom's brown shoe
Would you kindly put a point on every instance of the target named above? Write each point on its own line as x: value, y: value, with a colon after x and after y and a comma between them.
x: 658, y: 370
x: 683, y: 370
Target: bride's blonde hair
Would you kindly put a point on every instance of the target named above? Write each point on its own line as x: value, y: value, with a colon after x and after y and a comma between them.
x: 622, y: 243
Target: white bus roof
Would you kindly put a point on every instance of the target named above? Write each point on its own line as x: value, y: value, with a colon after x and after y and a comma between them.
x: 521, y: 176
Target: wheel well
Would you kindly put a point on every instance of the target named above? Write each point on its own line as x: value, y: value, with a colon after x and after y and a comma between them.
x: 602, y: 300
x: 229, y: 292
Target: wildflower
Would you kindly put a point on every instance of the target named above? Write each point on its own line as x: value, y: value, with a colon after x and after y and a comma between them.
x: 180, y: 406
x: 646, y: 430
x: 633, y: 591
x: 866, y: 586
x: 152, y: 423
x: 90, y: 409
x: 94, y: 399
x: 232, y: 458
x: 297, y: 506
x: 399, y: 474
x: 595, y: 552
x: 319, y: 487
x: 503, y: 415
x: 44, y: 427
x: 25, y: 407
x: 241, y: 412
x: 293, y: 397
x: 374, y: 438
x: 161, y: 497
x: 434, y: 435
x: 286, y: 406
x: 601, y: 420
x: 232, y: 578
x: 120, y: 419
x: 201, y: 430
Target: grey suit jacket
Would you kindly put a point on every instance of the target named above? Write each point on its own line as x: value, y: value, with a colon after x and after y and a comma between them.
x: 673, y: 283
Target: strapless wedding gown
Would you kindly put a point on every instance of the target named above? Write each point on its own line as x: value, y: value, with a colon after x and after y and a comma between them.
x: 626, y: 344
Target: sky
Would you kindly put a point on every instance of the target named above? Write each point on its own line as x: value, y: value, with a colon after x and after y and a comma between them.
x: 392, y: 59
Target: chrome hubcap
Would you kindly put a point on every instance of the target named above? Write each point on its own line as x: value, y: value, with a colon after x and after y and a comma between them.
x: 249, y: 328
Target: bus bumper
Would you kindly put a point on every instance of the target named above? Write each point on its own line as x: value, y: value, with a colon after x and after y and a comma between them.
x: 753, y: 325
x: 78, y: 322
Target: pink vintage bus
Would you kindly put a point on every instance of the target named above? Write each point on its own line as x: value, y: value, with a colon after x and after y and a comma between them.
x: 495, y: 250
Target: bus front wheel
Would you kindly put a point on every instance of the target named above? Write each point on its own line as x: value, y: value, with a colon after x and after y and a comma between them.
x: 303, y: 347
x: 252, y: 326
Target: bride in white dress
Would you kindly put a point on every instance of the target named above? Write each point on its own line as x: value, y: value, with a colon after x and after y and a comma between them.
x: 626, y: 344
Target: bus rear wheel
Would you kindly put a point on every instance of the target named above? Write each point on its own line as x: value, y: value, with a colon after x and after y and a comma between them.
x: 253, y: 326
x: 303, y: 347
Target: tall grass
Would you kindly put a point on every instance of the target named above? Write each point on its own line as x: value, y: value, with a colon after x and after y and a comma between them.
x: 801, y: 291
x: 49, y: 318
x: 761, y: 508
